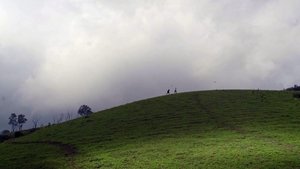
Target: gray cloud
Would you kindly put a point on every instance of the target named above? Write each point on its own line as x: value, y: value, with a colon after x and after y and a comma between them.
x: 55, y: 56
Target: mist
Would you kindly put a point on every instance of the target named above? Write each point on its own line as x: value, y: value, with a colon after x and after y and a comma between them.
x: 58, y: 55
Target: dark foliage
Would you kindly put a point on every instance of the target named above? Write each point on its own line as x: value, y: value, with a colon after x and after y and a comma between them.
x: 18, y: 134
x: 2, y: 138
x: 5, y: 132
x: 85, y: 111
x: 296, y: 95
x: 5, y: 135
x: 13, y: 121
x: 21, y: 120
x: 32, y: 130
x: 295, y: 88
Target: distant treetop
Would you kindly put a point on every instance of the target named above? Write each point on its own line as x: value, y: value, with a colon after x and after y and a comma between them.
x: 295, y: 88
x: 85, y: 111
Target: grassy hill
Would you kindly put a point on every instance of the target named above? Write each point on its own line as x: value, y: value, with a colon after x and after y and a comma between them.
x: 209, y: 129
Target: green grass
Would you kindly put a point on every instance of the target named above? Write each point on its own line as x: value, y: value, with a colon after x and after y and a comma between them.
x: 209, y: 129
x: 31, y: 156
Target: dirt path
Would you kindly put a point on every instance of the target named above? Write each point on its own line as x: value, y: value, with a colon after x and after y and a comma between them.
x: 69, y: 150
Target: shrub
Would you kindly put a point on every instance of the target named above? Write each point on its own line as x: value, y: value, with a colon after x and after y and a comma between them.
x: 294, y: 88
x: 5, y: 135
x: 296, y: 95
x: 18, y: 134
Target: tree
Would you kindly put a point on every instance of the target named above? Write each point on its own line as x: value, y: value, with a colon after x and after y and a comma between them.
x: 35, y: 120
x: 13, y: 121
x: 57, y: 118
x: 21, y: 121
x: 60, y: 118
x: 295, y: 88
x: 85, y: 111
x: 68, y: 116
x: 54, y: 119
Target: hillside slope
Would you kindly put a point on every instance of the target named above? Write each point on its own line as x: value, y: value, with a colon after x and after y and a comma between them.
x: 208, y: 129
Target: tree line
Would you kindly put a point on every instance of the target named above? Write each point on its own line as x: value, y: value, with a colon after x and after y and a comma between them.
x: 17, y: 121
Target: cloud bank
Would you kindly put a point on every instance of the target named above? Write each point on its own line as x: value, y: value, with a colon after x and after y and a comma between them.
x: 57, y: 55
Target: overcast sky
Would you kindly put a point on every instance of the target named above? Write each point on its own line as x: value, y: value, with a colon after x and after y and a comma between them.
x: 58, y: 54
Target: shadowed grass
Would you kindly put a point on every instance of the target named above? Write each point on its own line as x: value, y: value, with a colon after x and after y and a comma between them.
x: 34, y: 156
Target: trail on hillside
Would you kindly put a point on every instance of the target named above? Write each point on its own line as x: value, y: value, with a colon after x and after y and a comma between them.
x: 69, y: 150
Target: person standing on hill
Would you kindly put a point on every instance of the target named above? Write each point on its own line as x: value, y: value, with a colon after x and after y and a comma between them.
x: 175, y: 91
x: 168, y: 91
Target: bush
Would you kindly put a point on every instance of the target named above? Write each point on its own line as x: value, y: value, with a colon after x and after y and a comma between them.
x: 294, y: 88
x: 18, y: 134
x: 5, y: 135
x: 3, y: 138
x: 5, y: 132
x: 32, y: 130
x: 296, y: 95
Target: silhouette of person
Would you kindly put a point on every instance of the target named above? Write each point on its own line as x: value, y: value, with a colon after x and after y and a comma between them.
x: 175, y: 91
x: 168, y: 91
